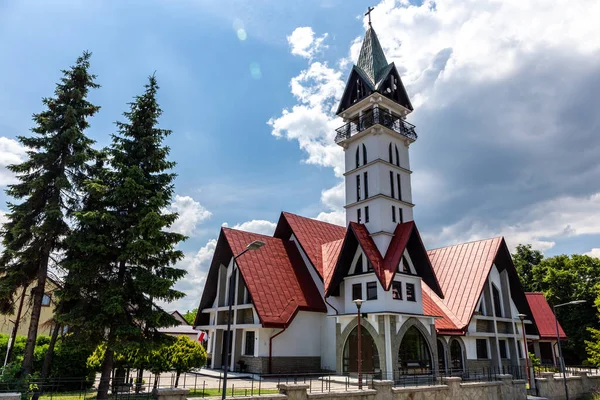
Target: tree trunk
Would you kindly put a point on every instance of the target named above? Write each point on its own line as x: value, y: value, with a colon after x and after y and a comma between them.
x: 36, y: 310
x: 177, y: 378
x: 138, y: 380
x: 48, y: 359
x: 107, y: 365
x: 16, y: 327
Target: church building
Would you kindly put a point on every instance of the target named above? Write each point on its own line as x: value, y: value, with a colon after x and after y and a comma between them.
x: 424, y: 310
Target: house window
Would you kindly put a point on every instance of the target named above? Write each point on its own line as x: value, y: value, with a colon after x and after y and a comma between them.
x: 371, y: 290
x: 366, y: 185
x: 393, y: 213
x: 502, y: 344
x: 369, y: 266
x: 520, y: 349
x: 367, y: 214
x: 397, y: 290
x: 410, y: 292
x: 249, y: 348
x: 497, y: 303
x: 392, y: 184
x: 357, y: 157
x: 397, y: 156
x: 357, y: 291
x: 358, y: 215
x: 358, y: 187
x: 46, y: 300
x: 364, y: 154
x: 482, y: 352
x: 390, y: 153
x: 400, y: 215
x: 399, y: 186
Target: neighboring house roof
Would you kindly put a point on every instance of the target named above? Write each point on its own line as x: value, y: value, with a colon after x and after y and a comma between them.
x: 311, y: 235
x: 179, y: 330
x: 177, y: 315
x: 544, y: 317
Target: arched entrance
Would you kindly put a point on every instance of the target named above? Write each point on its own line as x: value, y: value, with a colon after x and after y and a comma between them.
x: 370, y: 355
x: 456, y: 356
x: 414, y: 356
x: 441, y: 356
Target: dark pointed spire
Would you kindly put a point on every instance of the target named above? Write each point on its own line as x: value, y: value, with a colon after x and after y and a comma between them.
x: 371, y: 59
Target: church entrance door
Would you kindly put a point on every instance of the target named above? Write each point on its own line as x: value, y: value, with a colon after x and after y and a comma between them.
x: 370, y: 355
x: 226, y: 353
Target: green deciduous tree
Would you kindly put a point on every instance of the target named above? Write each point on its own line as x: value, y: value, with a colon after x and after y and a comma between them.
x: 190, y: 316
x: 525, y: 259
x: 120, y: 258
x: 46, y: 192
x: 185, y: 355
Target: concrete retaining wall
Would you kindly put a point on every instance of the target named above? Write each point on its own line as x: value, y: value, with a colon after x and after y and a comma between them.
x: 451, y: 389
x: 10, y: 396
x: 552, y: 386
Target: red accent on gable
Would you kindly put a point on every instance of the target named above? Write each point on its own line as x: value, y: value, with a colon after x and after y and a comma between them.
x: 543, y: 316
x: 276, y: 278
x: 462, y: 271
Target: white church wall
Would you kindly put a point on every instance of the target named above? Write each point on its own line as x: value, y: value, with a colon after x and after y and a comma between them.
x: 301, y: 338
x: 385, y: 300
x: 328, y: 348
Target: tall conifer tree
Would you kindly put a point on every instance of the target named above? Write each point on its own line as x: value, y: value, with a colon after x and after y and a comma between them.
x: 46, y: 192
x: 120, y: 259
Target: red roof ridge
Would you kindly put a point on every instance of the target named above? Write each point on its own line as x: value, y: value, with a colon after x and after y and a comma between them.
x: 469, y: 242
x: 314, y: 219
x: 250, y: 232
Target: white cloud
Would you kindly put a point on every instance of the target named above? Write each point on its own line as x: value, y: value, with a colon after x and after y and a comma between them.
x: 595, y: 252
x: 334, y: 199
x: 540, y: 224
x: 11, y: 152
x: 303, y: 42
x: 191, y: 214
x: 259, y: 226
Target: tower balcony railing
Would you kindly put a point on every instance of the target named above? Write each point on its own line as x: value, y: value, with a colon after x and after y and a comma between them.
x: 375, y: 116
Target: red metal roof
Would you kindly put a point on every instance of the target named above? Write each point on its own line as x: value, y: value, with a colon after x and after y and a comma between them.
x: 543, y: 316
x: 462, y: 270
x: 434, y: 306
x: 276, y: 277
x: 312, y: 235
x: 331, y: 252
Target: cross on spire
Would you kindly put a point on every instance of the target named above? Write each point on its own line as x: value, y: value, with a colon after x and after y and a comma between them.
x: 369, y: 14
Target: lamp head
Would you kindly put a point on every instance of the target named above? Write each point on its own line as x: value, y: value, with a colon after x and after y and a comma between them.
x: 257, y: 244
x: 522, y: 317
x: 577, y: 302
x: 358, y: 302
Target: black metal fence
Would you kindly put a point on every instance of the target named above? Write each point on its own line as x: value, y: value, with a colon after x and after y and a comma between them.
x: 489, y: 374
x: 373, y: 117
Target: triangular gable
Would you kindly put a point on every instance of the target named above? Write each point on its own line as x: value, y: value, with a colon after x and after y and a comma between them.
x: 406, y: 236
x: 275, y: 276
x: 397, y: 94
x: 350, y: 97
x: 462, y: 271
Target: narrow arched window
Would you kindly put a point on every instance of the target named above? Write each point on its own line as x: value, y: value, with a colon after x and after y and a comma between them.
x: 397, y: 157
x: 390, y: 151
x: 364, y: 154
x: 357, y: 157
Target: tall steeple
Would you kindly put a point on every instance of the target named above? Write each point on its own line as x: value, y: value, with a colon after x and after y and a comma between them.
x: 376, y: 139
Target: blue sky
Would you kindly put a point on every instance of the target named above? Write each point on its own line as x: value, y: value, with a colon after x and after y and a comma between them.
x: 505, y: 97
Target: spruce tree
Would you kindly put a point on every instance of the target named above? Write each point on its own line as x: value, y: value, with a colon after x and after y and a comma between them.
x: 46, y: 192
x: 120, y: 258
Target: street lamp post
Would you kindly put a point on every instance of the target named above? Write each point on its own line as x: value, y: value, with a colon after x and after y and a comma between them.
x: 560, y: 354
x: 522, y: 318
x: 358, y: 303
x: 257, y: 244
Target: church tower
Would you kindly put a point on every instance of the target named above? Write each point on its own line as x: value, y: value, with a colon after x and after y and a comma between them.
x: 376, y: 138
